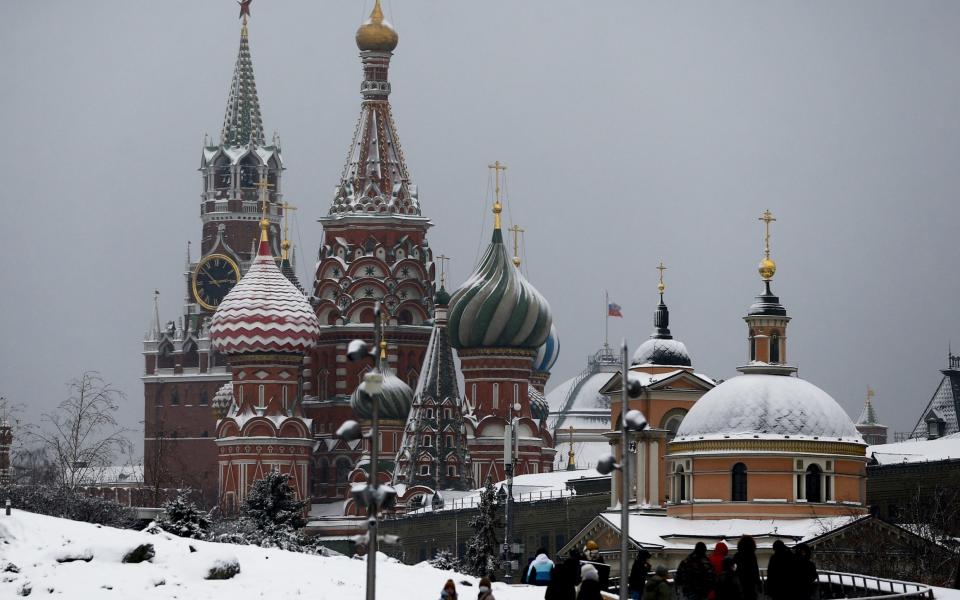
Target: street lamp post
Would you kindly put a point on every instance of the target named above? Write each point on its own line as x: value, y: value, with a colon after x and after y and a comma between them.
x: 630, y: 420
x: 509, y: 444
x: 372, y: 495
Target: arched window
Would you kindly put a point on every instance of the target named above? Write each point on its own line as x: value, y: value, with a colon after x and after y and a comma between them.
x: 679, y: 483
x: 812, y: 484
x: 425, y: 469
x: 738, y: 483
x: 165, y: 358
x: 249, y: 172
x: 753, y: 346
x: 427, y: 440
x: 191, y: 359
x: 429, y: 413
x: 221, y: 173
x: 775, y: 349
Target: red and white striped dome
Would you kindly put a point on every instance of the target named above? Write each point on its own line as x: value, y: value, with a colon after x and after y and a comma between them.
x: 264, y: 312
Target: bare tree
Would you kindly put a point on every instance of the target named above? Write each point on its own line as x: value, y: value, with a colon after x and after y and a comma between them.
x: 82, y: 435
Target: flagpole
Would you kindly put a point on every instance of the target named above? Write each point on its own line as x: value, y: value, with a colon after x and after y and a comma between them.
x: 606, y: 318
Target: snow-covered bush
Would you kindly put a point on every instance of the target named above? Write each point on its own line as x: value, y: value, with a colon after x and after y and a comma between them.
x: 445, y: 560
x: 183, y: 518
x: 272, y: 503
x: 66, y: 503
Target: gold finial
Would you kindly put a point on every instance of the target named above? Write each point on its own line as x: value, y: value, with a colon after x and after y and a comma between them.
x: 767, y: 266
x: 285, y: 244
x: 376, y: 34
x: 660, y: 286
x: 570, y: 456
x: 497, y: 207
x: 870, y: 393
x: 384, y: 319
x: 443, y: 270
x: 517, y: 231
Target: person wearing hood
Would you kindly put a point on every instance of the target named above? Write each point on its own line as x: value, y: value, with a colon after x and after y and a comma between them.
x: 638, y: 574
x: 449, y: 591
x: 564, y: 579
x: 695, y: 574
x: 540, y: 571
x: 589, y: 583
x: 486, y: 590
x: 657, y: 588
x: 780, y: 571
x: 747, y: 569
x: 716, y: 561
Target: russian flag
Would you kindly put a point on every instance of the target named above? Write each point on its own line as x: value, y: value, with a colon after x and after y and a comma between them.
x: 613, y: 310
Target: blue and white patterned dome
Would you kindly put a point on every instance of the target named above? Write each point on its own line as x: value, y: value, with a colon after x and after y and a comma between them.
x: 548, y: 353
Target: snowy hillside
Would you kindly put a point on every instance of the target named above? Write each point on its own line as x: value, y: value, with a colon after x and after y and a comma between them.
x: 70, y: 559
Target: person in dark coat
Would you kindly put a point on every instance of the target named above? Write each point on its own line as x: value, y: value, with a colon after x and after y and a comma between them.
x: 638, y: 574
x: 486, y: 590
x: 564, y: 579
x: 728, y: 587
x: 589, y: 583
x: 747, y: 569
x: 780, y: 572
x: 806, y: 579
x: 657, y: 587
x: 695, y: 574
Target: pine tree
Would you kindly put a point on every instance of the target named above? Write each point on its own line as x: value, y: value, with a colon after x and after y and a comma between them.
x: 183, y: 518
x: 273, y: 515
x: 482, y: 547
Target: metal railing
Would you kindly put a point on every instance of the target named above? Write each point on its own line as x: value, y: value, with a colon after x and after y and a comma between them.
x: 473, y: 501
x: 834, y: 585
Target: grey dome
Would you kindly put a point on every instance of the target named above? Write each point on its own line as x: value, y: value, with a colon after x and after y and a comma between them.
x: 395, y: 399
x: 666, y: 352
x: 767, y: 407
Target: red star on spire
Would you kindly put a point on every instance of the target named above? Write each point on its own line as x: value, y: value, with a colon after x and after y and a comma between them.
x: 244, y: 8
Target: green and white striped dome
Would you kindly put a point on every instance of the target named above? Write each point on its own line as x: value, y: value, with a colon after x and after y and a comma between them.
x: 497, y: 307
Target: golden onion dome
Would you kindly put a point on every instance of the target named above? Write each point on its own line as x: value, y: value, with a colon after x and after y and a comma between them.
x: 376, y: 34
x: 767, y: 268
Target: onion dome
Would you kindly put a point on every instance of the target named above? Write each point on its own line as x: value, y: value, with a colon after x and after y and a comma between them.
x: 497, y: 307
x: 548, y: 353
x: 376, y: 34
x: 661, y: 349
x: 442, y: 297
x: 222, y: 400
x: 264, y: 312
x: 539, y: 408
x: 395, y: 399
x: 767, y: 407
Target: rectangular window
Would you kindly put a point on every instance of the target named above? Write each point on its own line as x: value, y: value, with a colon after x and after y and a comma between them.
x: 203, y: 397
x: 260, y: 398
x: 451, y: 471
x: 496, y: 396
x: 424, y: 469
x: 828, y: 488
x: 175, y: 397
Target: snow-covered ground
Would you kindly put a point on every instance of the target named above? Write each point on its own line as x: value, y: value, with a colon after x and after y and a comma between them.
x: 70, y: 559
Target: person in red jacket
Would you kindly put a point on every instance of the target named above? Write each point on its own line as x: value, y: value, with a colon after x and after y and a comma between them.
x: 716, y: 560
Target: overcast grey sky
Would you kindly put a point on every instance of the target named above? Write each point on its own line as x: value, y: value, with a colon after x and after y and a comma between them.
x: 634, y: 133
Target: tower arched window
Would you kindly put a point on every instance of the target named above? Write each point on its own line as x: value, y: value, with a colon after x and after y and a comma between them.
x: 753, y: 346
x: 680, y: 484
x: 249, y: 172
x: 813, y: 489
x: 738, y: 483
x: 775, y: 349
x: 427, y: 440
x: 221, y: 174
x: 191, y: 359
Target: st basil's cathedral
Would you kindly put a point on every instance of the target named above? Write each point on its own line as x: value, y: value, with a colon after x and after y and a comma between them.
x: 253, y: 375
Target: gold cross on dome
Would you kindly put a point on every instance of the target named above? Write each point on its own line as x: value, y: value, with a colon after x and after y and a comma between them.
x: 660, y: 285
x: 263, y: 185
x: 517, y: 231
x: 285, y: 244
x: 767, y: 218
x: 443, y: 269
x: 497, y: 166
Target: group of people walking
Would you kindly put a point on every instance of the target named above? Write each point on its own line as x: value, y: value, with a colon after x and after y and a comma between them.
x: 791, y: 575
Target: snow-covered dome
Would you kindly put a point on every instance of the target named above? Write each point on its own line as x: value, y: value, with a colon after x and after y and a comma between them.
x: 767, y: 407
x: 665, y: 352
x: 395, y: 399
x: 548, y: 353
x: 264, y: 312
x: 539, y: 408
x: 222, y: 400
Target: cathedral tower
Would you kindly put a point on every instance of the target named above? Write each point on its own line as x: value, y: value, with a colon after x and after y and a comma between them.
x: 374, y: 249
x: 264, y: 326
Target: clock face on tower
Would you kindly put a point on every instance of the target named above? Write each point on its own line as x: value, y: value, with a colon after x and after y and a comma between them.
x: 215, y: 275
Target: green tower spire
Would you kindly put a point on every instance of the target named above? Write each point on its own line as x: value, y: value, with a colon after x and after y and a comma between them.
x: 242, y: 124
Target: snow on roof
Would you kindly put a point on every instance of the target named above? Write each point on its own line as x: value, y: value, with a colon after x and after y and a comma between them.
x: 767, y: 406
x: 912, y: 451
x: 656, y: 531
x: 35, y: 542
